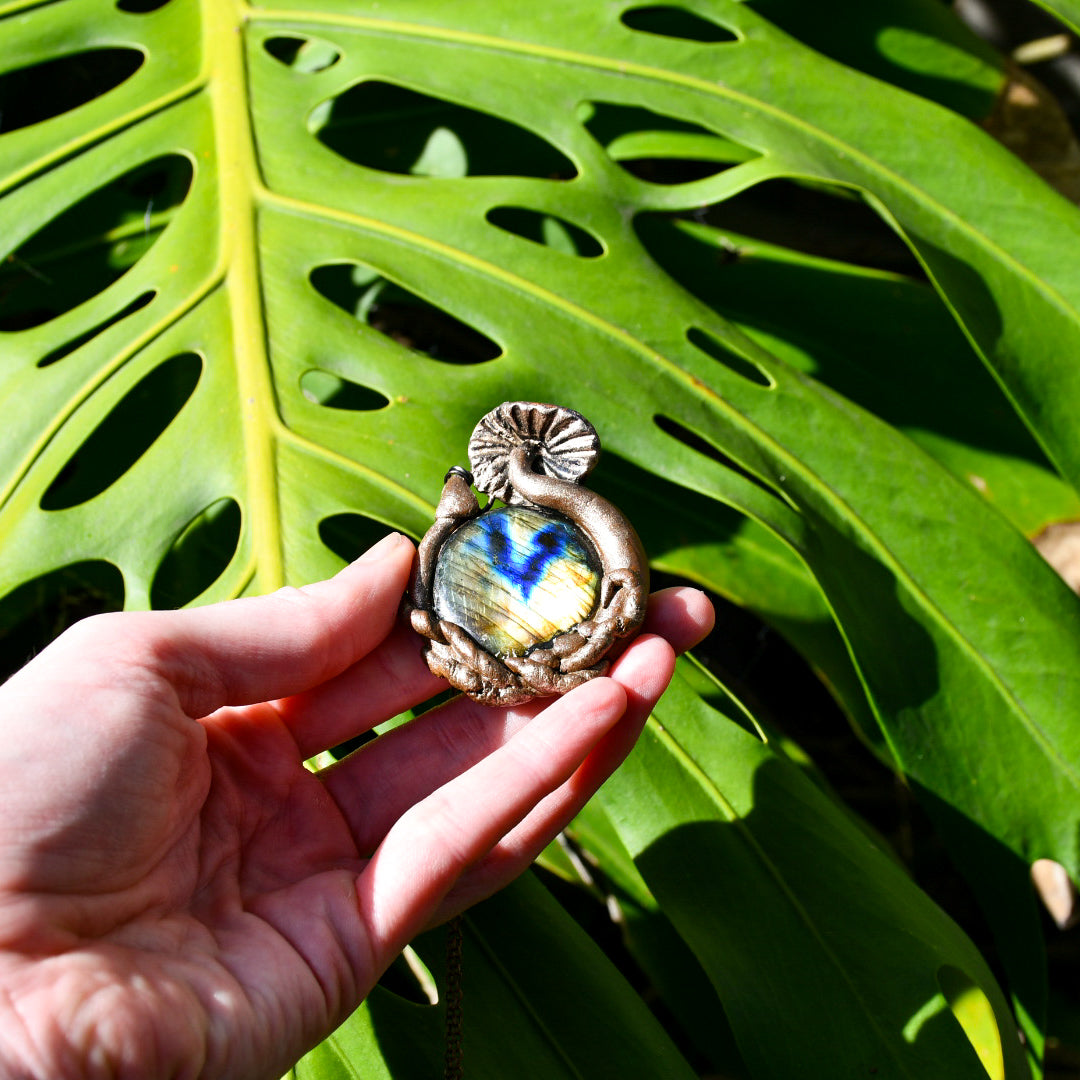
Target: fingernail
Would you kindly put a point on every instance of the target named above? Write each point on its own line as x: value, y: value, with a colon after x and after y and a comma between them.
x: 383, y: 548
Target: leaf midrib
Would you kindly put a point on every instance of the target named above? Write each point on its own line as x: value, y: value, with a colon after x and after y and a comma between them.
x: 238, y: 180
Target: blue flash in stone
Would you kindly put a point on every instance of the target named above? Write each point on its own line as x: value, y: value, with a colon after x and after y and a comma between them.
x: 524, y: 574
x: 514, y: 578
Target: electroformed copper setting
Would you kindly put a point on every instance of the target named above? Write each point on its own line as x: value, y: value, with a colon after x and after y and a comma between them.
x: 526, y: 597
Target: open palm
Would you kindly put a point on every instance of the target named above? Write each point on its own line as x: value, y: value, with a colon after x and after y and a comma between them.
x: 180, y: 896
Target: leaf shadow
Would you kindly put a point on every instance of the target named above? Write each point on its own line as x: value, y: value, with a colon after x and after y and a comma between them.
x: 890, y: 45
x: 784, y: 897
x: 897, y: 656
x: 899, y: 354
x: 1000, y: 884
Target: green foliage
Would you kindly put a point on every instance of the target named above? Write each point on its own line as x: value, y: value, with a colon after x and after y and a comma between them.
x: 266, y: 268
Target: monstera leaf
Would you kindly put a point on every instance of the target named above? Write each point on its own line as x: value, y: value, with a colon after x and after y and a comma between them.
x: 266, y: 268
x: 1066, y: 10
x: 775, y: 860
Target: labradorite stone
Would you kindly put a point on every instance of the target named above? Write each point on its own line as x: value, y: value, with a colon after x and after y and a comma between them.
x: 513, y: 578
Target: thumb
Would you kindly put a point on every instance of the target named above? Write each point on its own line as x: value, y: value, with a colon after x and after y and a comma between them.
x: 258, y: 648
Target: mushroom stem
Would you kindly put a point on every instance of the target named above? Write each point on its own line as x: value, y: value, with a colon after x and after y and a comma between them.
x: 611, y: 534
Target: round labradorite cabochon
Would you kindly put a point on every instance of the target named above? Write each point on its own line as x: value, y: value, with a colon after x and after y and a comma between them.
x: 513, y: 578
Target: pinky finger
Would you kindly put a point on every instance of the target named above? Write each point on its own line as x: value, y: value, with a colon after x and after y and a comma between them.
x: 434, y: 842
x: 644, y: 671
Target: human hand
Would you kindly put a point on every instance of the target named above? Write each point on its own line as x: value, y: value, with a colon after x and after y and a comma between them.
x: 180, y: 897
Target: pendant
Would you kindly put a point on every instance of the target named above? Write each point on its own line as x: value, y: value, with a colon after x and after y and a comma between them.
x: 526, y: 599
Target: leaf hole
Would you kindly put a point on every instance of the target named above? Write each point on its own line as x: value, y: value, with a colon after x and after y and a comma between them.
x: 349, y: 534
x: 711, y: 346
x: 825, y: 220
x: 77, y: 342
x: 666, y: 20
x: 32, y: 94
x: 335, y: 392
x: 198, y: 555
x: 693, y: 441
x: 973, y: 1012
x: 126, y: 433
x: 343, y: 750
x: 553, y: 232
x: 401, y: 315
x: 660, y: 149
x: 40, y: 610
x: 409, y: 979
x: 383, y: 126
x: 92, y: 244
x: 145, y: 184
x: 306, y: 55
x: 140, y: 7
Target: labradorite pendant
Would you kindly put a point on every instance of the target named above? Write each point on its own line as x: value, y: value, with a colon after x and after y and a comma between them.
x: 526, y: 599
x: 513, y: 578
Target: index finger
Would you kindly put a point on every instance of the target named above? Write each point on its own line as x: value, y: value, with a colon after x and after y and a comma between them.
x: 394, y: 677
